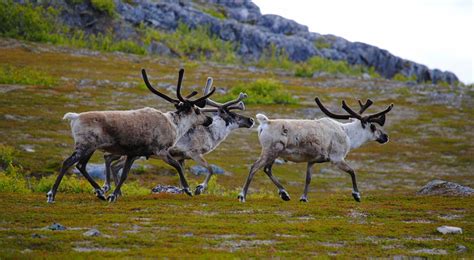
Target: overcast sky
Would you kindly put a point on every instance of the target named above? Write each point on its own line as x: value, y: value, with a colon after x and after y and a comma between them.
x: 437, y: 33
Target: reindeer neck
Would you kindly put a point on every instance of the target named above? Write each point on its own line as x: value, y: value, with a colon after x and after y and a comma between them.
x: 181, y: 122
x: 357, y: 135
x: 219, y: 129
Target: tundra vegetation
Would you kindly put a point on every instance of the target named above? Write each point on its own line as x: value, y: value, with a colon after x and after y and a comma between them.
x: 430, y: 130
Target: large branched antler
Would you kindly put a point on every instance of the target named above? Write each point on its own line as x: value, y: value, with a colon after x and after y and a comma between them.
x: 216, y: 104
x: 200, y: 102
x: 378, y: 118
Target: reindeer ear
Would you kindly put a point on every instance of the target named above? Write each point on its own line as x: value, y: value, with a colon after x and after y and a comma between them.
x: 201, y: 103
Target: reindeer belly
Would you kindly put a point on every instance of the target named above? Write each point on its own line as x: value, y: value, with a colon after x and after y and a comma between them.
x: 303, y: 154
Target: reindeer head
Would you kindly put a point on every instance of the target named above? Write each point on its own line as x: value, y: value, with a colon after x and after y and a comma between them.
x: 184, y: 106
x: 224, y: 110
x: 368, y: 122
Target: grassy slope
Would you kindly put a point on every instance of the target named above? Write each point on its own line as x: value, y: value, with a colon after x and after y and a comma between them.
x: 428, y: 141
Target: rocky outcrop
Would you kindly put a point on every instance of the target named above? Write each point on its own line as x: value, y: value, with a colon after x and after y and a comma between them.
x: 245, y: 25
x: 445, y: 188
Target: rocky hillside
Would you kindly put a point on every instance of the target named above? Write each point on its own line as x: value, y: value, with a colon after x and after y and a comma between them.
x: 237, y: 21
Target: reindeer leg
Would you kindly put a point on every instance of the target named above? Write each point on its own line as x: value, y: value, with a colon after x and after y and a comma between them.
x: 126, y: 168
x: 70, y: 161
x: 81, y: 166
x: 345, y: 167
x: 304, y: 197
x: 115, y: 167
x: 281, y: 190
x: 171, y: 161
x: 201, y: 187
x: 257, y: 165
x: 109, y: 158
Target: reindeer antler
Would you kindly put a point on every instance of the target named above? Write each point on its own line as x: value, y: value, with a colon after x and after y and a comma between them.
x: 378, y: 118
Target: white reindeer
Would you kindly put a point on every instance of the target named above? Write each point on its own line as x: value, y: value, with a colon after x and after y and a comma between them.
x: 199, y: 140
x: 315, y: 141
x: 132, y: 133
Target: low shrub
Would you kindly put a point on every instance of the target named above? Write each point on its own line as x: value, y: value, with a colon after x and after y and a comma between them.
x: 24, y: 75
x: 197, y: 43
x: 403, y: 78
x: 105, y: 6
x: 262, y: 91
x: 25, y: 21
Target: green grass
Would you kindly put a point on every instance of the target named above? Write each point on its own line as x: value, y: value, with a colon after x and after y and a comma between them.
x: 319, y: 64
x: 105, y: 6
x: 25, y: 75
x: 262, y: 91
x: 211, y: 226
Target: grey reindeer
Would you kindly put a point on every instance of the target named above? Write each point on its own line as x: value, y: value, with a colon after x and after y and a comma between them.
x: 315, y: 141
x: 199, y: 140
x: 132, y: 133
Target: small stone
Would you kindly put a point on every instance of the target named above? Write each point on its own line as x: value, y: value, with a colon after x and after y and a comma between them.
x: 92, y: 233
x: 200, y: 170
x: 167, y: 189
x: 35, y: 235
x: 461, y: 249
x: 366, y: 76
x: 279, y: 162
x: 56, y: 226
x: 449, y: 230
x: 28, y: 148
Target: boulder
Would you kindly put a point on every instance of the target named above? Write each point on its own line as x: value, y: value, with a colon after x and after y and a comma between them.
x: 449, y: 230
x: 445, y: 188
x: 200, y: 170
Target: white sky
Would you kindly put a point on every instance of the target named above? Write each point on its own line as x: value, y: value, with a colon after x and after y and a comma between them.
x: 437, y: 33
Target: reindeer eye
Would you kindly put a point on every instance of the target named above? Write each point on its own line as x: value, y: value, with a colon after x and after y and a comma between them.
x: 372, y: 127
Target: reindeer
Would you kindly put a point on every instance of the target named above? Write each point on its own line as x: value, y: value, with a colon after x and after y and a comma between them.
x: 315, y: 141
x: 199, y: 140
x: 132, y: 133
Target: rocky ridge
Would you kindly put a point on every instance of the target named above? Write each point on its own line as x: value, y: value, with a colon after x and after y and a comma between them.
x: 243, y: 24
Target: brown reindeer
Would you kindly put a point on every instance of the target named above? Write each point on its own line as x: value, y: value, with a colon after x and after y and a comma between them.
x: 132, y: 133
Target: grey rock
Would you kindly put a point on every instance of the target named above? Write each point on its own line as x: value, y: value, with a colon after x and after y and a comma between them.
x: 159, y: 49
x: 200, y: 170
x: 280, y: 25
x: 28, y: 148
x: 461, y: 249
x: 92, y: 233
x: 167, y: 189
x: 445, y: 188
x: 449, y: 230
x: 56, y: 226
x: 96, y: 171
x: 279, y: 161
x: 366, y: 76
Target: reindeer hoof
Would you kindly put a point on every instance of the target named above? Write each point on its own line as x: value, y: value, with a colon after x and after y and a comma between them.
x: 284, y: 195
x: 100, y: 194
x: 356, y: 196
x: 303, y: 199
x: 112, y: 198
x: 199, y: 189
x: 187, y: 191
x: 49, y: 197
x: 106, y: 188
x: 241, y: 197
